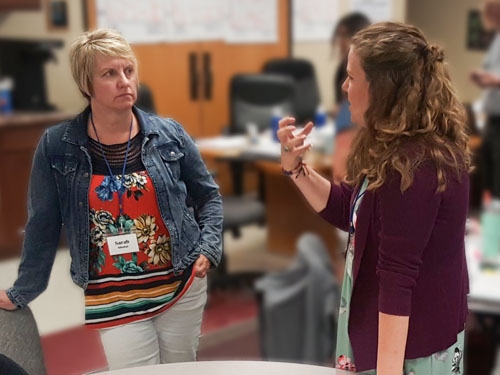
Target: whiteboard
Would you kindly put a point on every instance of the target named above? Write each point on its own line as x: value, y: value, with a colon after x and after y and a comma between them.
x: 314, y: 20
x: 376, y: 10
x: 155, y: 21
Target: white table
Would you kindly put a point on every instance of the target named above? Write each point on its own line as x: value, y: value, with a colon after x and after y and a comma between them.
x: 229, y: 368
x: 484, y: 297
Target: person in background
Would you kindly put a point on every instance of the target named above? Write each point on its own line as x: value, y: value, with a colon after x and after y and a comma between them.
x: 488, y: 78
x: 345, y: 130
x: 404, y: 203
x: 118, y: 179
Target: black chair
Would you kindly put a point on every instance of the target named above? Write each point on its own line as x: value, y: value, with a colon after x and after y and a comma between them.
x: 145, y: 100
x: 307, y: 96
x: 253, y: 98
x: 10, y: 367
x: 20, y: 342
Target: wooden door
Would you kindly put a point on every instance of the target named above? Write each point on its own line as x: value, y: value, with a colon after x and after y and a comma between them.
x: 168, y: 70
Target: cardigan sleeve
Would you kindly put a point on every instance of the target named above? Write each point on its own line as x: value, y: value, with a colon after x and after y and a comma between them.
x: 407, y: 221
x: 336, y: 211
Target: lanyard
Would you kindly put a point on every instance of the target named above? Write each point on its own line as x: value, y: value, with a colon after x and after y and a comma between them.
x: 355, y: 204
x: 120, y: 183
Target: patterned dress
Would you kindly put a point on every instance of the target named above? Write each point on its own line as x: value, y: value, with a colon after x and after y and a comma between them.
x: 446, y: 362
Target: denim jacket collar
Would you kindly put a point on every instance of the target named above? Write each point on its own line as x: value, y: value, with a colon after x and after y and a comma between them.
x: 76, y: 131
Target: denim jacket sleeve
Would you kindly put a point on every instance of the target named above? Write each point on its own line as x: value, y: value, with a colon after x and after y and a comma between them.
x: 205, y: 196
x: 42, y: 230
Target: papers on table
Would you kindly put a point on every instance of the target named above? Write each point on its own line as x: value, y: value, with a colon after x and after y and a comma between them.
x: 485, y: 286
x: 223, y: 142
x: 240, y: 145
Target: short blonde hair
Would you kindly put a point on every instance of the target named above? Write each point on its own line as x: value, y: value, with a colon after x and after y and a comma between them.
x: 85, y: 48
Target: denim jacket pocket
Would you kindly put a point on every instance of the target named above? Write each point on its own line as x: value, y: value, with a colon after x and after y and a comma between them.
x: 64, y: 165
x: 64, y: 169
x: 171, y: 156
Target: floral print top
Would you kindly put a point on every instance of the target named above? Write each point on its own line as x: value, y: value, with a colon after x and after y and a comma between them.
x: 132, y: 286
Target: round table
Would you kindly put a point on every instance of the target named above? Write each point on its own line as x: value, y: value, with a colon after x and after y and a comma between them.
x: 229, y: 368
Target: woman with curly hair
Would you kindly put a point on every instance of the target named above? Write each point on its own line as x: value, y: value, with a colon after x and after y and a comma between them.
x: 404, y: 204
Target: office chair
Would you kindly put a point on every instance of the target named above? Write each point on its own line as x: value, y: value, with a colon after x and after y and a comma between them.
x: 145, y: 100
x: 8, y: 366
x: 305, y: 292
x: 307, y: 97
x: 252, y: 99
x: 20, y: 340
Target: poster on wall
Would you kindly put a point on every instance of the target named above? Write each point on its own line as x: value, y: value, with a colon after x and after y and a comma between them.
x: 376, y: 10
x: 138, y: 21
x: 196, y: 20
x: 156, y: 21
x: 252, y: 21
x: 478, y: 38
x: 314, y: 20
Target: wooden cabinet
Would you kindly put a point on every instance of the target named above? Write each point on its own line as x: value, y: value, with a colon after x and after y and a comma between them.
x: 8, y: 5
x: 19, y: 136
x: 190, y: 81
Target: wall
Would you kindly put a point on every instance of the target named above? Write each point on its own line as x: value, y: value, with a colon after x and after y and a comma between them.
x: 61, y: 89
x: 320, y: 53
x: 445, y: 22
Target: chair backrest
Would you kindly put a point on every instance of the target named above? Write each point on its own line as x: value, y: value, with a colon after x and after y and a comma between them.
x: 20, y: 340
x: 253, y: 97
x: 8, y: 366
x: 145, y: 100
x: 307, y: 292
x: 307, y: 97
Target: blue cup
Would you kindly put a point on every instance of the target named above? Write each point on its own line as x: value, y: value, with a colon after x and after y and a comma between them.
x: 6, y: 96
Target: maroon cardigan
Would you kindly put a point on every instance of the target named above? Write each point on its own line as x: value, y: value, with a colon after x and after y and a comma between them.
x: 409, y: 260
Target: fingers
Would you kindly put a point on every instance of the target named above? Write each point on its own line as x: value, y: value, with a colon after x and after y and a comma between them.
x: 201, y: 266
x: 5, y: 302
x: 286, y: 127
x: 286, y: 121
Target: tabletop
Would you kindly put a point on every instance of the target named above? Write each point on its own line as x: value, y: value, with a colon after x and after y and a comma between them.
x: 230, y: 368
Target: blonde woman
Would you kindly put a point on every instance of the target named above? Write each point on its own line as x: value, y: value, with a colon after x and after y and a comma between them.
x: 118, y: 178
x: 404, y: 204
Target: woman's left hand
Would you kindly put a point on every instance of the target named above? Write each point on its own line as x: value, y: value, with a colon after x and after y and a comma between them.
x: 201, y: 266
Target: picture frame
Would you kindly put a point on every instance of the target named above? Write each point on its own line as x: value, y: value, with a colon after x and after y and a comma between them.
x: 478, y: 37
x: 57, y: 14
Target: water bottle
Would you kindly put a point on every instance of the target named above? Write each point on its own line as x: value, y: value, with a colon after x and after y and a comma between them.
x: 276, y: 115
x: 490, y: 228
x: 320, y: 117
x: 6, y: 86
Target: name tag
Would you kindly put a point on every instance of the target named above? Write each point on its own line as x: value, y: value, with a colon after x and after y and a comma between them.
x: 122, y: 244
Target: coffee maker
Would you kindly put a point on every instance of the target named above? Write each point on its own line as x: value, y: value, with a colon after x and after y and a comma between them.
x: 23, y: 60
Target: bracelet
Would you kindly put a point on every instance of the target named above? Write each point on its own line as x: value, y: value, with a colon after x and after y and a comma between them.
x: 301, y: 168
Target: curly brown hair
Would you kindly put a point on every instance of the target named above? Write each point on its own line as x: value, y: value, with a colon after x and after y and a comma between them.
x: 414, y: 113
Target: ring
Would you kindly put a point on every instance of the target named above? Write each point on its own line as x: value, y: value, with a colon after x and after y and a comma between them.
x: 286, y: 149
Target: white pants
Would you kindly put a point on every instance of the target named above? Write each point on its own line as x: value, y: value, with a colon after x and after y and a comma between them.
x: 172, y: 336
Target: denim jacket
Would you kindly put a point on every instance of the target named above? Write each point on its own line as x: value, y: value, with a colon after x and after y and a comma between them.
x: 58, y: 195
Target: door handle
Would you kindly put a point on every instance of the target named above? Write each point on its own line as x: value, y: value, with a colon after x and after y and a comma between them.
x: 194, y: 77
x: 208, y: 76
